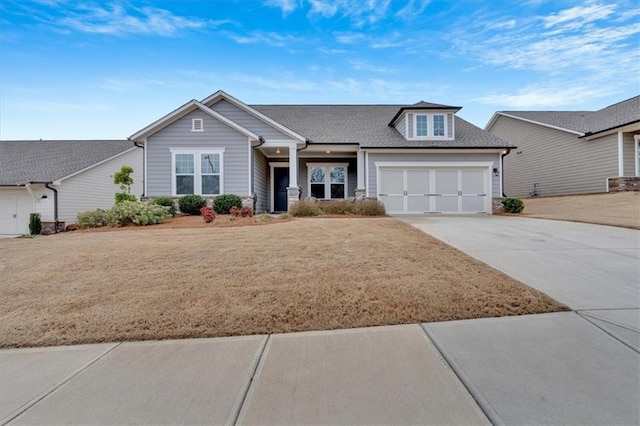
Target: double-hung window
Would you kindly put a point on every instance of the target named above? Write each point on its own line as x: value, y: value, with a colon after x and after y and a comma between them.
x: 421, y: 125
x: 327, y: 181
x: 197, y: 171
x: 438, y: 125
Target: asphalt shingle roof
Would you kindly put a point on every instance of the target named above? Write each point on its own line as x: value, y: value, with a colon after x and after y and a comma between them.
x: 616, y: 115
x: 22, y: 162
x: 367, y: 125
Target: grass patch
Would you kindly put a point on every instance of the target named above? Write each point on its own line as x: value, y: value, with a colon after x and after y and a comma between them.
x: 162, y: 283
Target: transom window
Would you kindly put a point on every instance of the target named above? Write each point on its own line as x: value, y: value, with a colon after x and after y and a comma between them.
x: 327, y: 181
x: 197, y: 172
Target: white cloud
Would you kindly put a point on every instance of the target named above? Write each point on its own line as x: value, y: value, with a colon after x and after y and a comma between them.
x: 501, y: 24
x: 269, y: 38
x: 287, y: 6
x: 360, y: 12
x: 412, y: 9
x: 331, y: 51
x: 115, y: 19
x: 348, y: 37
x: 579, y: 15
x: 324, y: 8
x: 550, y: 95
x: 361, y: 65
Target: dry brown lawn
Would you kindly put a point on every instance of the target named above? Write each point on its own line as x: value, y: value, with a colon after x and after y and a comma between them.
x: 616, y: 208
x: 305, y: 274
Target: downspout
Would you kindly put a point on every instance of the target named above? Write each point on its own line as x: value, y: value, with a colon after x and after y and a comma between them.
x: 144, y: 169
x: 502, y: 170
x: 253, y: 176
x: 55, y: 205
x: 306, y: 145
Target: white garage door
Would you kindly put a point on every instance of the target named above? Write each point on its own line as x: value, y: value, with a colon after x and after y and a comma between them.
x: 434, y: 190
x: 15, y: 207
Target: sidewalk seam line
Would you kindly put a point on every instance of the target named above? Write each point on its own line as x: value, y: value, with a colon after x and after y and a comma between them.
x: 241, y: 397
x: 607, y: 332
x: 35, y: 400
x: 477, y: 396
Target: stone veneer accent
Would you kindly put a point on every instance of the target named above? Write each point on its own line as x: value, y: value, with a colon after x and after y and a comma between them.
x: 496, y: 205
x: 622, y: 183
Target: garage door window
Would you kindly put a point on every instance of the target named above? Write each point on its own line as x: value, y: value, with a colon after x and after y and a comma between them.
x: 327, y: 181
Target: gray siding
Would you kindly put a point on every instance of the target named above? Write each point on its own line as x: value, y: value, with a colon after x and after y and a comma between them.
x: 215, y: 135
x: 94, y: 188
x: 371, y: 165
x: 450, y: 125
x: 628, y: 149
x: 248, y: 121
x: 558, y: 161
x: 401, y: 126
x: 410, y: 129
x: 260, y: 181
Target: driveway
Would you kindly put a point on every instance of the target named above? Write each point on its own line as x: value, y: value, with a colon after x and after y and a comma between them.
x: 585, y: 266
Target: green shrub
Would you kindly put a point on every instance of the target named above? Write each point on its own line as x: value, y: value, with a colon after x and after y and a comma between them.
x: 265, y: 218
x: 137, y: 213
x: 121, y: 196
x: 304, y: 208
x: 166, y: 202
x: 513, y: 205
x: 191, y: 204
x: 336, y: 207
x: 369, y: 208
x: 222, y: 204
x: 35, y: 224
x: 92, y: 219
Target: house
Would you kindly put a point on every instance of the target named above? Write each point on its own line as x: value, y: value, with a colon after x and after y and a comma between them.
x: 59, y: 179
x: 570, y: 152
x: 419, y: 158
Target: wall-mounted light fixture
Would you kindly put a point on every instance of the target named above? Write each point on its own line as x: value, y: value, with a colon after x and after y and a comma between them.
x: 495, y: 171
x: 44, y: 196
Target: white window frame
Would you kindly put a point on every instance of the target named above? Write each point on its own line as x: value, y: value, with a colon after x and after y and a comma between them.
x: 444, y: 125
x: 197, y: 174
x: 430, y: 126
x: 636, y: 153
x: 327, y: 182
x: 195, y: 127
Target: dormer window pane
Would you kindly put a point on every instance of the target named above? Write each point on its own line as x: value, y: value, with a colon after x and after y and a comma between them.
x: 421, y: 125
x: 438, y: 125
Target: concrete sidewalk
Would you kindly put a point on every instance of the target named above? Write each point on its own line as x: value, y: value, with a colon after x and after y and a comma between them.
x: 535, y: 369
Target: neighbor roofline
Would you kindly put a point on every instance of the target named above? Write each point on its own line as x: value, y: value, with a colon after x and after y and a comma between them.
x: 589, y: 134
x: 551, y: 126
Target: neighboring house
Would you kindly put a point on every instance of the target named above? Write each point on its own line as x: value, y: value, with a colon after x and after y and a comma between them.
x: 418, y: 158
x: 569, y: 152
x: 59, y: 179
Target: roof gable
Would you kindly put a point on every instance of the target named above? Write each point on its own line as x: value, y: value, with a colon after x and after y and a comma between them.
x: 23, y: 162
x: 219, y: 95
x: 422, y: 105
x: 181, y: 112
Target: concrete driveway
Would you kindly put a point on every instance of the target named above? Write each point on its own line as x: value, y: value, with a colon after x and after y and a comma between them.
x: 585, y: 266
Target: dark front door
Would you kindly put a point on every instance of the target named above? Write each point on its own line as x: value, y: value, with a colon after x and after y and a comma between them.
x: 280, y: 183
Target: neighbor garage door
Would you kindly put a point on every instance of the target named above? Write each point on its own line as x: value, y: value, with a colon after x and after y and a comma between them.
x: 434, y: 190
x: 15, y: 207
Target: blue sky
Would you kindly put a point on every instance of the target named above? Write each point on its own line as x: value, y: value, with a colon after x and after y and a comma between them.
x: 105, y: 69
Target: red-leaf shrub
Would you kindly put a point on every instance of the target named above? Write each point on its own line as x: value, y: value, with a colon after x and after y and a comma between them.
x: 207, y: 214
x: 245, y: 211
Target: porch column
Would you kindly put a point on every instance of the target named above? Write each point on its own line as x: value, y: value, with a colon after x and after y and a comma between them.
x: 360, y: 171
x: 293, y: 190
x: 620, y: 154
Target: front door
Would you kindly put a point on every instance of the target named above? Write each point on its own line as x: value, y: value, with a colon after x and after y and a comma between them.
x: 280, y: 184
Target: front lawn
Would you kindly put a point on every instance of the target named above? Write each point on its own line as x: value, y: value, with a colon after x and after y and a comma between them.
x: 305, y: 274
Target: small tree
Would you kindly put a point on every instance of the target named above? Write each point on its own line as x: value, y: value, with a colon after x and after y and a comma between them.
x: 35, y: 224
x: 124, y: 179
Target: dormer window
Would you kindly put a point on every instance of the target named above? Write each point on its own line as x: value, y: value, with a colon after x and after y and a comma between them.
x: 197, y: 125
x: 427, y: 125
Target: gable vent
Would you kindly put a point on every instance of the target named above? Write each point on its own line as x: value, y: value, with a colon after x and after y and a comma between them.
x: 197, y: 125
